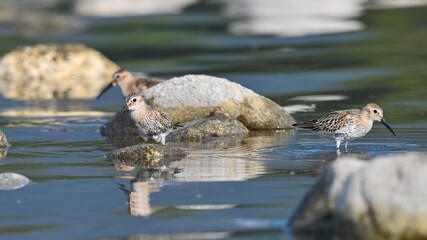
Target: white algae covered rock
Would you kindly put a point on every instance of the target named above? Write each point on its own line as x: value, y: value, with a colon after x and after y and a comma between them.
x: 54, y: 71
x: 384, y: 198
x: 192, y: 97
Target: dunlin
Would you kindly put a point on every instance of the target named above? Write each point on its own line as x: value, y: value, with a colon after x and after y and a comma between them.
x: 129, y: 83
x: 150, y: 122
x: 346, y: 125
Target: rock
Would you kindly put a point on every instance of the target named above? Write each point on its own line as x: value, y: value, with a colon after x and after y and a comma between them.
x: 193, y: 97
x: 379, y: 199
x: 10, y: 181
x: 54, y: 71
x: 3, y: 140
x: 4, y: 145
x: 146, y: 155
x: 123, y: 132
x: 216, y: 126
x: 3, y: 153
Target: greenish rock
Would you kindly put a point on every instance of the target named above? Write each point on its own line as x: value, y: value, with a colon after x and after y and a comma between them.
x: 216, y: 126
x: 193, y: 97
x: 146, y: 155
x: 54, y: 71
x: 383, y: 198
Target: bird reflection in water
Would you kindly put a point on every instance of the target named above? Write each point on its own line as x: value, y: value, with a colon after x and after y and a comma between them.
x: 146, y: 182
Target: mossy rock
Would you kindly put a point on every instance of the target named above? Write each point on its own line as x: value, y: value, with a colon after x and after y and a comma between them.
x: 146, y: 155
x: 215, y: 126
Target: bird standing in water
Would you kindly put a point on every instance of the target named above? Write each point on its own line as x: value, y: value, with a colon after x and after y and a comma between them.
x: 129, y: 83
x: 346, y: 125
x: 150, y: 122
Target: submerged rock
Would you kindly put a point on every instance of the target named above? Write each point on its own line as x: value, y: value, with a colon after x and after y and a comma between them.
x: 54, y: 71
x: 146, y: 155
x: 193, y: 97
x: 379, y: 199
x: 10, y: 181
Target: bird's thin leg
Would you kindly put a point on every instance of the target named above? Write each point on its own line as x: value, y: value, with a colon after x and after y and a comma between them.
x: 345, y: 145
x: 338, y: 145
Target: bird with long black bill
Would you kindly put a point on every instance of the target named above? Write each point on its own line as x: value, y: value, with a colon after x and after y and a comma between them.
x: 346, y: 125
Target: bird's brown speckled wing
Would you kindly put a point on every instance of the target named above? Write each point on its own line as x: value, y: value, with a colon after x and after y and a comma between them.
x: 144, y: 83
x: 157, y: 122
x: 329, y: 123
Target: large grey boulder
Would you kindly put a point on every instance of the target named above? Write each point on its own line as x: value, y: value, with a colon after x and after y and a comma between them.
x: 54, y: 71
x: 384, y: 198
x: 192, y: 97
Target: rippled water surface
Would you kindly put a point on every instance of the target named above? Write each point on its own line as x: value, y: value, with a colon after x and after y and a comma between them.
x: 225, y: 188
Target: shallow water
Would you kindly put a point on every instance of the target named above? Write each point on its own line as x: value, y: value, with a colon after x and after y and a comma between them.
x: 239, y: 189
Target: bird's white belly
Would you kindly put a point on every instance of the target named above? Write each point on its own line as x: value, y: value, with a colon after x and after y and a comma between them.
x: 350, y: 132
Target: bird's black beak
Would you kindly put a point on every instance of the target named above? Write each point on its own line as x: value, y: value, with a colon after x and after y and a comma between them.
x: 387, y: 126
x: 121, y: 113
x: 110, y: 85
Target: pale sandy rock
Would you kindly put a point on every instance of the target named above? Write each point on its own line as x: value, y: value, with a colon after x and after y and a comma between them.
x: 54, y: 71
x: 379, y: 199
x: 193, y: 97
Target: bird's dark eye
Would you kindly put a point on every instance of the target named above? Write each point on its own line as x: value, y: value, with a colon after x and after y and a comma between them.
x: 134, y: 100
x: 375, y: 111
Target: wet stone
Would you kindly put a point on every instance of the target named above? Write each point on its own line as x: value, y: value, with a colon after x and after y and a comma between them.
x: 10, y: 181
x: 216, y: 126
x: 383, y: 198
x: 122, y: 132
x: 146, y: 155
